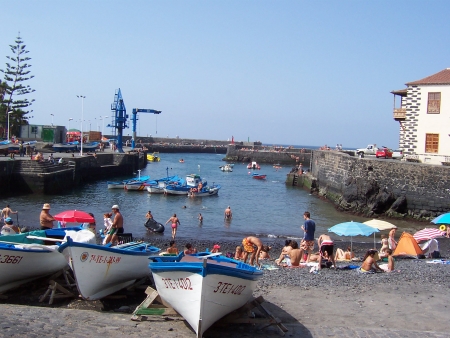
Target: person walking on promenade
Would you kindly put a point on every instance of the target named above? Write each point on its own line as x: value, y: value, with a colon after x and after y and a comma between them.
x: 326, y: 244
x: 175, y: 223
x: 307, y: 243
x: 228, y: 214
x: 45, y: 219
x: 249, y: 244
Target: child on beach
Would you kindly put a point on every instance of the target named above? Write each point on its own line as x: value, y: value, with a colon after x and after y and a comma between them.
x: 238, y: 253
x: 264, y: 254
x: 190, y: 250
x: 369, y: 264
x: 384, y: 245
x: 216, y: 248
x: 389, y: 267
x: 107, y: 222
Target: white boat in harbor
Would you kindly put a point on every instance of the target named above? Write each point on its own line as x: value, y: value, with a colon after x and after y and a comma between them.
x: 203, y: 288
x: 205, y: 191
x: 157, y: 186
x: 101, y: 270
x: 183, y: 187
x: 24, y: 257
x: 226, y: 168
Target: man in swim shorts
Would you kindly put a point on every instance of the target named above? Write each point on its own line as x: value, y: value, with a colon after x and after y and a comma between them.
x: 249, y: 244
x: 309, y: 227
x: 326, y: 244
x: 175, y: 223
x: 228, y: 214
x: 117, y: 226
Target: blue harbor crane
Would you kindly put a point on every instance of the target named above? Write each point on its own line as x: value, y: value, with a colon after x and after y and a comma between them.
x: 120, y: 120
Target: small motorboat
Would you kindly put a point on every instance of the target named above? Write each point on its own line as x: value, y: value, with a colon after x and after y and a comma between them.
x: 154, y: 157
x: 102, y: 270
x: 253, y: 165
x: 259, y: 176
x: 157, y: 186
x: 182, y: 187
x: 154, y: 226
x: 205, y: 191
x: 203, y: 287
x: 226, y: 167
x: 121, y: 184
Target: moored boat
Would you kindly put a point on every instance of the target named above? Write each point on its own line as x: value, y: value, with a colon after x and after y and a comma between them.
x: 183, y: 187
x: 120, y: 185
x: 154, y: 157
x: 205, y: 191
x: 203, y: 288
x: 91, y: 146
x: 65, y: 147
x: 226, y: 167
x: 157, y: 186
x: 259, y: 176
x: 101, y: 270
x: 253, y: 165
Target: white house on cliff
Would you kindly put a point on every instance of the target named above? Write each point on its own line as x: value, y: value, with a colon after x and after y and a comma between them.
x: 424, y: 117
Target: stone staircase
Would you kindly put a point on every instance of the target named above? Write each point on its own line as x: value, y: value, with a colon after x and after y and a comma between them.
x: 29, y: 166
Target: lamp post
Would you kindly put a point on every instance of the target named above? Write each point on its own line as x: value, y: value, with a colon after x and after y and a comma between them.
x: 103, y: 124
x: 69, y: 123
x: 82, y: 117
x: 9, y: 126
x: 52, y: 118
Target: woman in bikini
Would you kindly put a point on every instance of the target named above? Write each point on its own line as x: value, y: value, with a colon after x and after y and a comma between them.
x: 175, y: 223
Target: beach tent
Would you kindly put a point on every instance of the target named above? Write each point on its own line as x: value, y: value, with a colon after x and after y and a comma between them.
x: 407, y: 247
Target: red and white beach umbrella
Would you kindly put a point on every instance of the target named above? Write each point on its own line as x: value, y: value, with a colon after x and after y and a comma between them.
x: 428, y: 233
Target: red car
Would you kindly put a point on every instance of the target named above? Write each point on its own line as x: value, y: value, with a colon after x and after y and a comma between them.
x: 384, y: 152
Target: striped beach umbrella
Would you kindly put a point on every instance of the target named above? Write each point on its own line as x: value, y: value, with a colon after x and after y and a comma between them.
x: 428, y: 233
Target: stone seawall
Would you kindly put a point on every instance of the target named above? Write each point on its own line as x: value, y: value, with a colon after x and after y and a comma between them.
x: 376, y: 186
x: 264, y: 154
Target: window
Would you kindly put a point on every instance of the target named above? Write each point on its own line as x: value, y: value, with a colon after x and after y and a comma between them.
x: 432, y: 143
x: 434, y: 103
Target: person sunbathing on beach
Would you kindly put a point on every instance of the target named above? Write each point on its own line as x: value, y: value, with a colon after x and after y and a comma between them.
x: 342, y: 255
x: 284, y: 252
x: 369, y: 264
x: 172, y: 249
x: 389, y: 267
x: 295, y: 255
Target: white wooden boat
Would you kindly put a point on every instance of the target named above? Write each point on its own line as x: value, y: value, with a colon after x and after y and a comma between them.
x: 101, y: 270
x: 205, y: 191
x: 203, y: 288
x: 24, y: 257
x: 226, y: 167
x: 157, y: 186
x: 253, y: 165
x: 183, y: 187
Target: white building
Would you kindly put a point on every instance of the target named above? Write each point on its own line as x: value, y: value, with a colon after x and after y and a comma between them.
x: 424, y: 117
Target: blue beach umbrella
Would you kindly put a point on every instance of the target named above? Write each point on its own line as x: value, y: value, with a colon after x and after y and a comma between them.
x: 442, y: 219
x: 352, y: 229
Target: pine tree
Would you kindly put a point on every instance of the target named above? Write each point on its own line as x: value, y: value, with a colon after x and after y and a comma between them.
x: 14, y: 84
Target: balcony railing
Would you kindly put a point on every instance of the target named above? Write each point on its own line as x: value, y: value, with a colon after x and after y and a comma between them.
x: 399, y: 114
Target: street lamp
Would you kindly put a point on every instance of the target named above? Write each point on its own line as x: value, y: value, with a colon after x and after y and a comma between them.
x: 9, y: 126
x: 52, y: 118
x: 103, y: 124
x: 82, y: 117
x: 69, y: 123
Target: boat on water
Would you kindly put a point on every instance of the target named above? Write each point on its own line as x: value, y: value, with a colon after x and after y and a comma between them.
x: 205, y: 191
x: 203, y: 287
x: 65, y: 147
x: 120, y: 185
x: 102, y: 270
x: 253, y: 165
x: 31, y: 255
x: 226, y: 167
x: 259, y: 176
x: 154, y: 226
x: 157, y: 186
x: 154, y: 157
x: 184, y: 186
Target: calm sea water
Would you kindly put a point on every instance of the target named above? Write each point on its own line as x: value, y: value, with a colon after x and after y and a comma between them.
x: 267, y: 208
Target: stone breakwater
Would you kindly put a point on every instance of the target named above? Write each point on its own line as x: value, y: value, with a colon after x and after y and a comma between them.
x: 268, y: 154
x: 373, y: 187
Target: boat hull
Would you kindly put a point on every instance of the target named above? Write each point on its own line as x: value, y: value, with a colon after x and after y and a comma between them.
x: 206, y: 192
x: 101, y: 271
x: 20, y: 264
x: 202, y: 292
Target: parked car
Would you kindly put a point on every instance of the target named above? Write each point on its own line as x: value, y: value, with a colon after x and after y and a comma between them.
x: 384, y: 152
x: 397, y: 154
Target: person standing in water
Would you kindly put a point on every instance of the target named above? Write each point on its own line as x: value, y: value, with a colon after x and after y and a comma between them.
x: 175, y: 223
x: 228, y: 214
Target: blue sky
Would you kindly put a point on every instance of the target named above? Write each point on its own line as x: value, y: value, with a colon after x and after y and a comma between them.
x: 284, y: 72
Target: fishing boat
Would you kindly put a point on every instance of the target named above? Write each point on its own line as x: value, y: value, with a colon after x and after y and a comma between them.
x: 101, y: 270
x: 136, y: 185
x: 154, y: 157
x: 182, y: 187
x: 259, y: 176
x: 157, y: 186
x: 90, y: 146
x: 204, y: 287
x: 31, y: 255
x: 205, y: 191
x: 15, y: 147
x: 65, y: 147
x: 253, y: 165
x: 120, y: 185
x: 226, y: 167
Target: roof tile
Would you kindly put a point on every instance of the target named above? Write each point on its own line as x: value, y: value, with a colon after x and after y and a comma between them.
x: 443, y: 77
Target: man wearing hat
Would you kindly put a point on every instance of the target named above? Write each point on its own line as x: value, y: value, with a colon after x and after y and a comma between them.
x: 45, y: 219
x: 9, y: 228
x: 117, y: 226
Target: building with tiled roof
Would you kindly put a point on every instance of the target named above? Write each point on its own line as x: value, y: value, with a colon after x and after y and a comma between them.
x: 424, y: 117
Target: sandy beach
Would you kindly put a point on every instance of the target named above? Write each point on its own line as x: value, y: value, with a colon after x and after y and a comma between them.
x: 407, y: 303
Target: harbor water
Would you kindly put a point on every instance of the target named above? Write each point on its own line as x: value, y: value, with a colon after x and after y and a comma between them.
x: 266, y: 208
